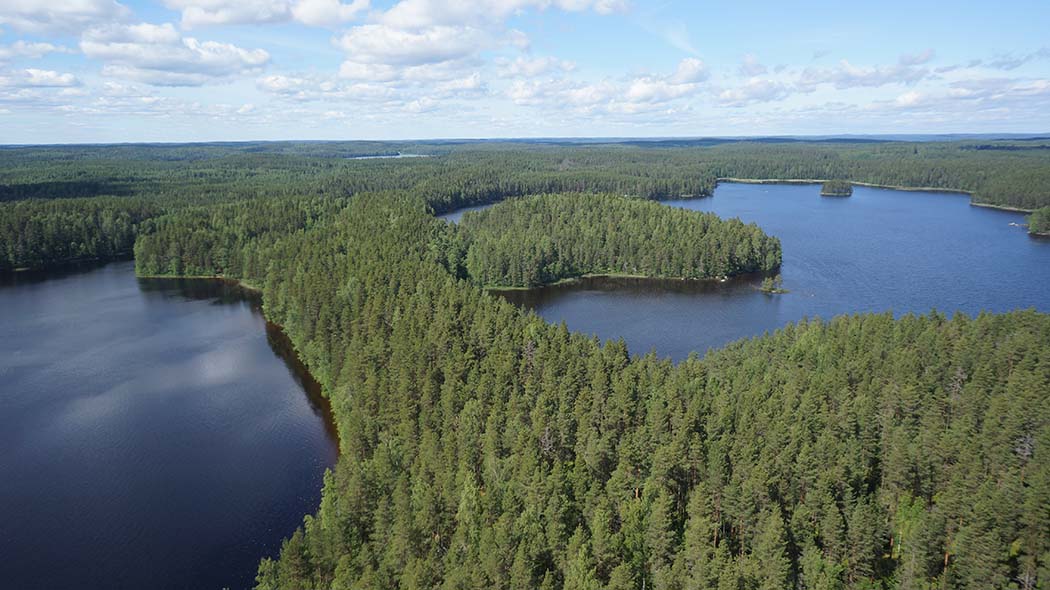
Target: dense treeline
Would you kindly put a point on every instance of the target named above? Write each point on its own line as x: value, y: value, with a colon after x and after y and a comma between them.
x: 530, y: 241
x: 220, y: 240
x: 37, y: 233
x: 462, y: 174
x: 837, y: 188
x: 1039, y: 221
x: 484, y: 448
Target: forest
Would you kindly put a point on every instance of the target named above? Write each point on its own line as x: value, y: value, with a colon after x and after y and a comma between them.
x: 143, y: 181
x: 484, y: 448
x: 836, y: 188
x: 1039, y: 221
x: 481, y: 447
x: 527, y: 242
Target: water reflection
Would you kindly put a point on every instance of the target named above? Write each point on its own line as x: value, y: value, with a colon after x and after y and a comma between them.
x: 149, y: 438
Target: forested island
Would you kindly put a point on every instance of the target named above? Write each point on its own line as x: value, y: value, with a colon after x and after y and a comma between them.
x: 1039, y: 222
x: 482, y: 447
x: 531, y: 241
x: 836, y: 188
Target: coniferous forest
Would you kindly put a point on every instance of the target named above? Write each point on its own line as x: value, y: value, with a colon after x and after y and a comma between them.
x: 1039, y: 221
x: 526, y: 242
x: 146, y: 180
x: 481, y: 447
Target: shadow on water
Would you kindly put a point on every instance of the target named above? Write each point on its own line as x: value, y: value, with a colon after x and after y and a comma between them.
x: 33, y: 276
x: 227, y: 292
x: 282, y: 348
x: 638, y: 286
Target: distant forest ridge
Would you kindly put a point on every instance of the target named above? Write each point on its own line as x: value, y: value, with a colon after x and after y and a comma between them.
x: 53, y: 214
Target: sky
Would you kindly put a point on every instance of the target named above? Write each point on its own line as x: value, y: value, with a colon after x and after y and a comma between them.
x: 74, y: 71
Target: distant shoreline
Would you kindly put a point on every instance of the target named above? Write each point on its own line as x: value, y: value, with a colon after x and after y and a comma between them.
x: 924, y: 189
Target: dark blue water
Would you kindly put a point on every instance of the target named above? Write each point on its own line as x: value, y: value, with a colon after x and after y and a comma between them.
x: 879, y: 250
x: 455, y: 216
x: 153, y: 434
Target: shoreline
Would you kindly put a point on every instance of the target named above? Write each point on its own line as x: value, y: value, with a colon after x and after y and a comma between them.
x: 923, y: 189
x: 258, y: 293
x: 603, y: 275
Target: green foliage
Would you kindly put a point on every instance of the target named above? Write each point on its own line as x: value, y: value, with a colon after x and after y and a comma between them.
x: 482, y: 447
x: 773, y: 285
x: 37, y: 233
x: 836, y: 188
x: 531, y: 241
x: 142, y: 181
x: 1039, y: 221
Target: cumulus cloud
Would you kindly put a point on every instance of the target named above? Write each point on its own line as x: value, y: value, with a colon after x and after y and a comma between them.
x: 325, y: 13
x: 531, y: 67
x: 161, y: 56
x: 382, y: 44
x: 27, y: 49
x: 35, y: 78
x: 847, y: 75
x: 322, y: 13
x: 428, y: 13
x: 633, y: 95
x: 754, y: 90
x: 59, y: 16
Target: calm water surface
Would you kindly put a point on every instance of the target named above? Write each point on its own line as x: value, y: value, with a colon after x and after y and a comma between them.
x: 879, y: 250
x: 153, y: 434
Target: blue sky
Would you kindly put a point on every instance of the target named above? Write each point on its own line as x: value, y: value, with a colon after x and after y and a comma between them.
x: 202, y: 70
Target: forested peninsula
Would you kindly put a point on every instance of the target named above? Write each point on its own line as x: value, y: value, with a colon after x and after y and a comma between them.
x: 482, y: 447
x: 530, y: 241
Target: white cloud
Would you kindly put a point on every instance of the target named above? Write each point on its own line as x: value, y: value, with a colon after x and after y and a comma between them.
x: 910, y: 99
x: 531, y: 67
x: 689, y: 71
x: 383, y: 44
x: 160, y: 55
x: 321, y: 13
x: 638, y: 94
x: 27, y: 49
x: 754, y: 90
x: 428, y: 13
x: 847, y: 75
x: 751, y: 67
x: 35, y: 78
x: 324, y: 13
x: 59, y: 16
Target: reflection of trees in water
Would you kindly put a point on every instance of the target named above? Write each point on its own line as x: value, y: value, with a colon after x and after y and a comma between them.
x: 225, y: 292
x: 540, y: 296
x: 222, y: 292
x: 282, y: 347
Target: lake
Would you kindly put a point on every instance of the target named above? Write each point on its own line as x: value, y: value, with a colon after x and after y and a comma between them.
x: 153, y: 433
x: 879, y: 250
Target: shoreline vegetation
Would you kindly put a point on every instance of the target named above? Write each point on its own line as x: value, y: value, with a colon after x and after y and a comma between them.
x: 539, y: 240
x: 66, y: 202
x: 463, y: 418
x: 836, y: 188
x: 1039, y: 223
x: 483, y: 447
x: 917, y: 189
x: 611, y: 275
